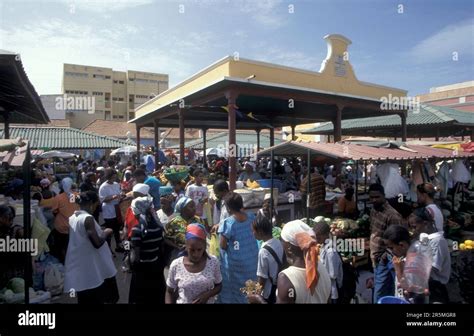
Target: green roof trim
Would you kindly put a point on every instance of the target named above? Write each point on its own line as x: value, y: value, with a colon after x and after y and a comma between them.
x: 428, y: 115
x: 54, y: 138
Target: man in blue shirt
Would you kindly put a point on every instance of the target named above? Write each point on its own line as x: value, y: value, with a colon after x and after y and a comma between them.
x: 152, y: 182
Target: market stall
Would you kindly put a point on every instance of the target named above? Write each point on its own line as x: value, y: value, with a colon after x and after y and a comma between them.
x: 416, y: 163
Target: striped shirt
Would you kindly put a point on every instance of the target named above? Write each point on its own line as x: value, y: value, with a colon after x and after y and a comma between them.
x: 317, y: 190
x: 379, y: 222
x: 148, y: 236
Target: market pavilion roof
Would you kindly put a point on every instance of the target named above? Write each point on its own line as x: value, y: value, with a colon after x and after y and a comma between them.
x: 18, y: 98
x: 64, y: 138
x: 424, y: 122
x: 274, y: 95
x: 349, y: 151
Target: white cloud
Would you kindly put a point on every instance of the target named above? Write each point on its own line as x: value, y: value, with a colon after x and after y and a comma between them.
x: 269, y: 13
x: 101, y: 6
x: 441, y: 45
x: 45, y: 46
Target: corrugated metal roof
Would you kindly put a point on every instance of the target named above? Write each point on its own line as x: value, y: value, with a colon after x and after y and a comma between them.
x: 219, y: 140
x: 428, y: 115
x: 63, y: 138
x: 346, y: 151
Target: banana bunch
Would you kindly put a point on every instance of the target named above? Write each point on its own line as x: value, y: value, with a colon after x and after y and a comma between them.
x: 252, y: 185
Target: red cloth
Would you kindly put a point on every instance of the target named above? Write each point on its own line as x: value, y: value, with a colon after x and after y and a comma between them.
x: 468, y: 147
x: 130, y: 221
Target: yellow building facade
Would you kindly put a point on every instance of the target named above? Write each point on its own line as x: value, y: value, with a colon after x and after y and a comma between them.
x: 115, y: 94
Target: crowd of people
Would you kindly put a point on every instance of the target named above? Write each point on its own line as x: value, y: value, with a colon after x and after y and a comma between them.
x: 164, y: 233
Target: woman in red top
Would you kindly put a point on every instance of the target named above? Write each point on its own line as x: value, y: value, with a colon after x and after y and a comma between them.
x: 139, y: 190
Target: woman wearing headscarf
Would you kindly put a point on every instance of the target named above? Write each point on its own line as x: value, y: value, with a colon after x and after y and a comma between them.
x: 146, y: 255
x: 63, y: 207
x: 306, y: 280
x: 127, y: 182
x: 89, y: 268
x: 195, y: 277
x: 175, y: 230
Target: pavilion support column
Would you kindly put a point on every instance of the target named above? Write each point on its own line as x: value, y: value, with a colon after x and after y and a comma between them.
x: 472, y: 134
x: 181, y: 136
x: 337, y: 124
x: 272, y: 137
x: 138, y: 145
x: 437, y: 134
x: 258, y: 138
x: 6, y: 118
x: 231, y: 100
x: 156, y: 130
x: 293, y: 136
x: 329, y: 138
x: 404, y: 126
x: 462, y: 137
x: 204, y: 147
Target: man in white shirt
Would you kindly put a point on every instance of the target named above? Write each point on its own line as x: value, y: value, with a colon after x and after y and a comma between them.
x: 109, y: 195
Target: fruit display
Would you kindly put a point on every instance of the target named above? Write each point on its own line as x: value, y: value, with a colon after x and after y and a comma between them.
x: 467, y: 245
x: 252, y: 287
x: 252, y: 185
x: 176, y: 174
x: 343, y: 227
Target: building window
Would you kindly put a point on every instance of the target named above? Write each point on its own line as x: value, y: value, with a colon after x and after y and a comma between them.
x: 95, y: 93
x: 115, y: 81
x: 121, y: 117
x: 131, y: 115
x: 130, y: 98
x: 131, y: 79
x: 121, y: 82
x: 462, y: 100
x: 76, y: 74
x: 100, y: 76
x: 77, y: 92
x: 117, y: 99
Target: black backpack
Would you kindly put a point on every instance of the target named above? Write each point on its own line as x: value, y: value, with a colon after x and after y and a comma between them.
x: 282, y: 264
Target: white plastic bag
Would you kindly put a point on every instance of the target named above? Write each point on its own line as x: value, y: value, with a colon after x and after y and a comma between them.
x: 460, y: 172
x: 392, y: 182
x: 54, y: 279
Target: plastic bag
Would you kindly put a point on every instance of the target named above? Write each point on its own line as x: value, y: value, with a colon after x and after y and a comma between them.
x: 54, y: 278
x: 460, y: 172
x: 214, y: 245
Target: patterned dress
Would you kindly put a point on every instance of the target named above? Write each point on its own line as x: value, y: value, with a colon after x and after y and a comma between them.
x: 239, y: 261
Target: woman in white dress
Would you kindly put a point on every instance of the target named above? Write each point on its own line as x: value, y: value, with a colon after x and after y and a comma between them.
x: 90, y: 270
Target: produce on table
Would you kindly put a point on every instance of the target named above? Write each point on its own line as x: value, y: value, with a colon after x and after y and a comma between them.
x: 17, y: 285
x: 252, y: 185
x: 252, y: 287
x: 468, y: 245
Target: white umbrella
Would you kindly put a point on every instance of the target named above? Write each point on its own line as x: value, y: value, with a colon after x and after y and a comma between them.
x: 127, y: 150
x: 57, y: 154
x: 215, y: 151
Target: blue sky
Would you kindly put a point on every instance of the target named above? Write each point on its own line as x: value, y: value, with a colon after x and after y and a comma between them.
x: 412, y: 50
